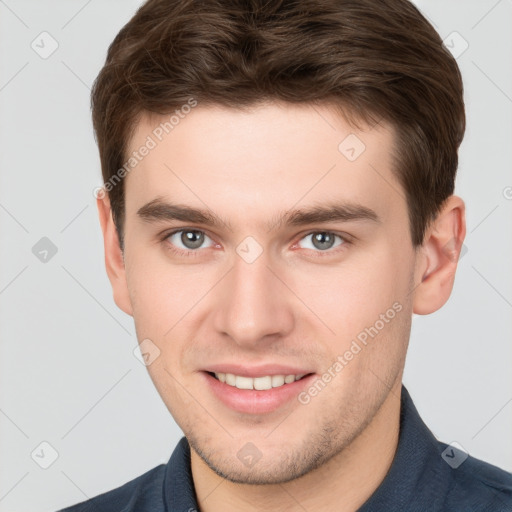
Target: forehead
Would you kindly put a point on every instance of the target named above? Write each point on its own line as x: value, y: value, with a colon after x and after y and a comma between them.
x: 265, y: 159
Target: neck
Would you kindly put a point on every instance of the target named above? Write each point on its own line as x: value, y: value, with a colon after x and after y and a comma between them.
x: 344, y: 483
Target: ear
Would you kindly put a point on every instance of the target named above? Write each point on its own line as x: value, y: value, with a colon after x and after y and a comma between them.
x: 114, y: 261
x: 438, y: 257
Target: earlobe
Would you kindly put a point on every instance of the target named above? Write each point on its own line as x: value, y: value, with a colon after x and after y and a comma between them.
x: 114, y: 262
x: 439, y: 255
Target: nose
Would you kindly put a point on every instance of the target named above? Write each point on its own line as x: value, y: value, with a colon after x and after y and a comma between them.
x: 254, y: 305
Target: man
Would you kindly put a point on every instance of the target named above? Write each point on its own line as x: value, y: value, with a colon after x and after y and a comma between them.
x: 278, y: 202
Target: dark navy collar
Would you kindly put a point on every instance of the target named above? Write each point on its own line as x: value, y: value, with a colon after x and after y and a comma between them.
x: 179, y: 493
x: 418, y: 473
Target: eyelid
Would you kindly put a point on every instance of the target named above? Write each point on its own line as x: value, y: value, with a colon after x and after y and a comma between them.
x: 341, y: 234
x: 173, y: 231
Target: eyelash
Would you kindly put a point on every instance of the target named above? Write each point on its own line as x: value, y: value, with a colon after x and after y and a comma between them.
x: 194, y: 253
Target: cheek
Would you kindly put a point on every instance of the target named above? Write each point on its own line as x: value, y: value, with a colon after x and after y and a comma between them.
x: 351, y: 295
x: 161, y: 292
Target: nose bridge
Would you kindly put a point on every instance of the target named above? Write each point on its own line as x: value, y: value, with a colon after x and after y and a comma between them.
x: 254, y: 302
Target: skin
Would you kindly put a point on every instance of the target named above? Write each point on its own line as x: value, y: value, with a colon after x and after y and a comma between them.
x: 288, y: 306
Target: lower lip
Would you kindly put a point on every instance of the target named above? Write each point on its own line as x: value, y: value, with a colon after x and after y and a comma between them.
x: 251, y: 401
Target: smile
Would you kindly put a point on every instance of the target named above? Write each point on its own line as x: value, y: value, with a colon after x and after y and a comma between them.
x: 259, y: 383
x: 256, y: 395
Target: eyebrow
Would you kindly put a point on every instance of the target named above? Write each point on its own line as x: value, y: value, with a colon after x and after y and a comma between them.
x: 161, y: 210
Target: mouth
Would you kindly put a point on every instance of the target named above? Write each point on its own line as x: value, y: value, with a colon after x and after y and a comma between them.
x: 258, y: 383
x: 258, y: 395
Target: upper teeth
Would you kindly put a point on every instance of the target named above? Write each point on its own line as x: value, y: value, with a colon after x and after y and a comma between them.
x: 261, y: 383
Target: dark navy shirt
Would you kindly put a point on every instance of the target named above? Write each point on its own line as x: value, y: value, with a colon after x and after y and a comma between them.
x: 425, y: 475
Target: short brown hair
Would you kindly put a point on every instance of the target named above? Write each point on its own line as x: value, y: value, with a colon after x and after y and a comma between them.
x: 374, y: 59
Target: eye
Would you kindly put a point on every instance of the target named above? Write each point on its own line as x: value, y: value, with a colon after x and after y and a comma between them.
x: 186, y: 240
x: 323, y: 240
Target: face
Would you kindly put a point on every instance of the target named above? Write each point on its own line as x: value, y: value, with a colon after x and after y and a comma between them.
x: 307, y: 270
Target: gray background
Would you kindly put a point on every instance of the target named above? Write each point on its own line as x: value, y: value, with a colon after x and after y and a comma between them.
x: 68, y: 375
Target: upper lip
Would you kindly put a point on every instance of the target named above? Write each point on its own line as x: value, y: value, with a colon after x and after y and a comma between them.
x: 257, y: 371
